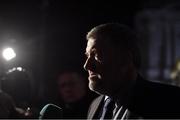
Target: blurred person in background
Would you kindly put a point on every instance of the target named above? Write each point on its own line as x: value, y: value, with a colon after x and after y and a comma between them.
x: 8, y: 109
x: 17, y: 84
x: 74, y: 96
x: 7, y: 106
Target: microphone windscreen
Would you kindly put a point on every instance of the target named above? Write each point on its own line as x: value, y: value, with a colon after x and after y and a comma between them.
x: 51, y: 111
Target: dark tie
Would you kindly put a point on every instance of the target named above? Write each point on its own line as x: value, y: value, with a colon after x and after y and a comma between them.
x: 108, y: 108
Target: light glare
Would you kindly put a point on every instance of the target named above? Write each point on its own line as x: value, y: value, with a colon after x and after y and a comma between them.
x: 19, y: 68
x: 9, y: 54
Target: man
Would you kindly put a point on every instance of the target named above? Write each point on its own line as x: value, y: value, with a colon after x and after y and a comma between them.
x: 8, y: 109
x: 73, y: 95
x: 113, y: 61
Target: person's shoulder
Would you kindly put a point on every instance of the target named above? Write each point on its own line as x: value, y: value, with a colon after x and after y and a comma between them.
x: 153, y: 84
x: 98, y: 99
x: 155, y: 99
x: 6, y: 98
x: 156, y: 92
x: 94, y: 107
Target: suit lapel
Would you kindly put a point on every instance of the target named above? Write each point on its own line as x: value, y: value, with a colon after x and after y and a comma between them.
x: 95, y: 107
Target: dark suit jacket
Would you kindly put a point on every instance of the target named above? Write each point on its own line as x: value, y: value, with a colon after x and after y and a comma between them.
x: 148, y: 100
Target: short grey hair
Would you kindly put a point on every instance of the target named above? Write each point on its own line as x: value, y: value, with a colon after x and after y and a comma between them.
x: 119, y: 35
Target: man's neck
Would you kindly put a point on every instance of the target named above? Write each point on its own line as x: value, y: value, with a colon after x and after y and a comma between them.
x: 122, y: 96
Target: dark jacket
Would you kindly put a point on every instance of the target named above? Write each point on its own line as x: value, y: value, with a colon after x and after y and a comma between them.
x: 148, y: 100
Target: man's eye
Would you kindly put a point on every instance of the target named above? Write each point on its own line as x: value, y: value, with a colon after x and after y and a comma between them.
x: 86, y: 55
x: 97, y: 58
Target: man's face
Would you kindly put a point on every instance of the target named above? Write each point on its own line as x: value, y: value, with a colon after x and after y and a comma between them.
x: 107, y: 67
x: 71, y: 87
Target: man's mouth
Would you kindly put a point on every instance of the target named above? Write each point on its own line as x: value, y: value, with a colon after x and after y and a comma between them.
x: 94, y: 76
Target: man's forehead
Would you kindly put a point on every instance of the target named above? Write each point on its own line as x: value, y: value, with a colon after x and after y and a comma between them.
x: 68, y: 77
x: 98, y: 44
x: 90, y: 44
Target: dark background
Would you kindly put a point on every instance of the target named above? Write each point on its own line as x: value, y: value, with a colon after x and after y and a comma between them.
x: 49, y: 35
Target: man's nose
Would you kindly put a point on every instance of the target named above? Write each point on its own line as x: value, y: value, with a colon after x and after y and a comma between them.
x: 86, y: 64
x: 90, y: 64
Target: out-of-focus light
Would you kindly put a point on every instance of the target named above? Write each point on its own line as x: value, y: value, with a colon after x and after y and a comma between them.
x: 19, y: 68
x: 173, y: 75
x: 178, y: 65
x: 16, y: 69
x: 9, y: 54
x: 11, y: 70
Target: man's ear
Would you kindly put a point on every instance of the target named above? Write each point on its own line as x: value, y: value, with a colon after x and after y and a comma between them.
x: 126, y: 58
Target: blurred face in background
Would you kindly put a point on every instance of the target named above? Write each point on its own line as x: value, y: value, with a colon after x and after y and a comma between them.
x: 71, y: 87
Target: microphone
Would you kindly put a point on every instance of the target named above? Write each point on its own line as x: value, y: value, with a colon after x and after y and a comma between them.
x: 51, y: 111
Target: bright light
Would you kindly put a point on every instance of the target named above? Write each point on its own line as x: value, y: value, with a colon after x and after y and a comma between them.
x: 19, y: 68
x: 14, y: 69
x: 9, y: 54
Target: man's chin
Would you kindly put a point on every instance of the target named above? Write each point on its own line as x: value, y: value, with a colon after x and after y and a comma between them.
x: 93, y: 78
x: 93, y: 84
x: 96, y: 87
